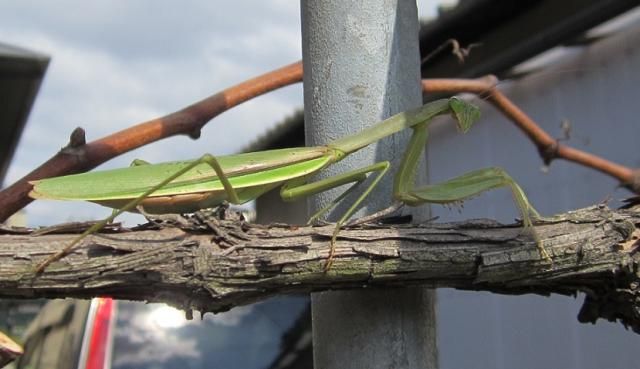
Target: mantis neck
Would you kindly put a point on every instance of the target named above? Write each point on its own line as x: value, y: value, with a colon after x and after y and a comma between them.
x: 390, y: 126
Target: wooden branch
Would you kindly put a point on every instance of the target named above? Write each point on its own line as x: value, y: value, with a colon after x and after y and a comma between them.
x: 216, y: 265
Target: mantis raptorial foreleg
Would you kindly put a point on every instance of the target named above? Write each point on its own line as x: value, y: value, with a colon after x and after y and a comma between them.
x: 292, y: 191
x: 205, y: 159
x: 459, y: 188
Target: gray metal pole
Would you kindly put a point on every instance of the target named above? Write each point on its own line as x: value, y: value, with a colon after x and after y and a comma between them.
x: 361, y: 65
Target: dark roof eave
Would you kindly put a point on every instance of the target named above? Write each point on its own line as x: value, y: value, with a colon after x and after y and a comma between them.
x: 21, y: 74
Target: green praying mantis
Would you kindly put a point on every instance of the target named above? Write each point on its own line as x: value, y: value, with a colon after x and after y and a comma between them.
x: 187, y: 186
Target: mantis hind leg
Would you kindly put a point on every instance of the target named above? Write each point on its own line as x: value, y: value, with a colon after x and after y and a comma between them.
x: 138, y: 162
x: 294, y: 190
x: 206, y: 158
x: 134, y: 163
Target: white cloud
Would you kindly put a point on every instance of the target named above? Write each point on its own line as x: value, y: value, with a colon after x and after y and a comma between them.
x: 117, y: 63
x: 120, y: 62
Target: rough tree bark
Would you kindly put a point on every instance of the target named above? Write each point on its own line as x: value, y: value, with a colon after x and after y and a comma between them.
x: 212, y: 265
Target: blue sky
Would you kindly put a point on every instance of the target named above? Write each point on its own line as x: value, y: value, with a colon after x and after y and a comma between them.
x: 120, y: 62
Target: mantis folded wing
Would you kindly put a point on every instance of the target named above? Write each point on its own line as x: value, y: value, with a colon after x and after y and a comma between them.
x: 188, y: 186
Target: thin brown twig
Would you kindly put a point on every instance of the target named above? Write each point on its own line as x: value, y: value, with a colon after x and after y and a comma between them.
x: 548, y: 147
x: 80, y: 157
x: 461, y: 53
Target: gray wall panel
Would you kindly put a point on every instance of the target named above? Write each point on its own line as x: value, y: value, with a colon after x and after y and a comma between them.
x: 595, y: 88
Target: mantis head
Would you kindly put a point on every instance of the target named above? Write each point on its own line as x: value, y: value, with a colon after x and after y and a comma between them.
x: 464, y: 113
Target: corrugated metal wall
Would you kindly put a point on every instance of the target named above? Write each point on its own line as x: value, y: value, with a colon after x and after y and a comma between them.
x: 596, y: 90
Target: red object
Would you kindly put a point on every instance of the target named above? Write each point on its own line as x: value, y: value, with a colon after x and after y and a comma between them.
x: 96, y: 358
